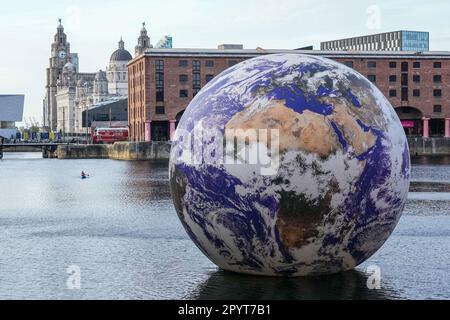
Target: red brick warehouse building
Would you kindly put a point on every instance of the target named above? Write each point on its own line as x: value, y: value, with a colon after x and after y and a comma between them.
x: 162, y: 82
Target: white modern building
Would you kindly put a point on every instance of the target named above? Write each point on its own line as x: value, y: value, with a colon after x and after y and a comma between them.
x: 11, y: 111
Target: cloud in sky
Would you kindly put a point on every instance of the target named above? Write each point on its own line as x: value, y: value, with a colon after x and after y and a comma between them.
x: 94, y: 28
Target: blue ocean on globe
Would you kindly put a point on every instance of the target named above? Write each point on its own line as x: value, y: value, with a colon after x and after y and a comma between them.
x: 341, y: 177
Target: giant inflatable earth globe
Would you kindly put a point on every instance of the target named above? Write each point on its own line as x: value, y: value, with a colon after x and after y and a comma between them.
x: 289, y: 165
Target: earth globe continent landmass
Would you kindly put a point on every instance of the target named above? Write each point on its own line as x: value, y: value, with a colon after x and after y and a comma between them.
x: 343, y: 174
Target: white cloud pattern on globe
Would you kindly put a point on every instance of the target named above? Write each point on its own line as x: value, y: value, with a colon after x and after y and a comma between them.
x: 341, y: 182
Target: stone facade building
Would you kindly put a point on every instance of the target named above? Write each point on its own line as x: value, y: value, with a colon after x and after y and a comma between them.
x: 163, y: 82
x: 70, y: 92
x: 117, y: 71
x: 60, y: 56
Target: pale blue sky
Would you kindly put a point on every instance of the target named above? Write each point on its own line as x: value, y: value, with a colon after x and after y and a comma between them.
x: 94, y: 28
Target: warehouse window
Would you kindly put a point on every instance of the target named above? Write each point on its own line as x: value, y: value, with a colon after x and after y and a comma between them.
x: 159, y: 80
x: 160, y: 110
x: 404, y: 66
x: 183, y: 93
x: 183, y: 78
x: 437, y: 79
x: 404, y: 94
x: 349, y: 64
x: 404, y: 79
x: 196, y: 65
x: 437, y: 93
x: 196, y: 82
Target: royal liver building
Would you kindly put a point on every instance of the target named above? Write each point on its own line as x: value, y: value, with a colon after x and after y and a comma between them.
x: 69, y: 92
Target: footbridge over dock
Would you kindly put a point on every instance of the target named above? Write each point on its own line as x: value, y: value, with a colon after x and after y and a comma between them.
x: 48, y: 149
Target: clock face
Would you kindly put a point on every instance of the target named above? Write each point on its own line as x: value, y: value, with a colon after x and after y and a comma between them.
x: 62, y: 54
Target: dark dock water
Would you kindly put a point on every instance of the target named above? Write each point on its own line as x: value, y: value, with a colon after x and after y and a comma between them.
x: 120, y: 229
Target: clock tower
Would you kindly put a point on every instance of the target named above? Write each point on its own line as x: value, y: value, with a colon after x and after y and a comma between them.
x: 60, y: 55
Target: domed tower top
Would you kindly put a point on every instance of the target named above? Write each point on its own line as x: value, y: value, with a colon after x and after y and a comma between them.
x: 121, y: 54
x: 143, y: 41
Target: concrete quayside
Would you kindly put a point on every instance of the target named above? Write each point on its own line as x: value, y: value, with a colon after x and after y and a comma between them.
x: 117, y: 151
x: 160, y: 150
x: 156, y: 150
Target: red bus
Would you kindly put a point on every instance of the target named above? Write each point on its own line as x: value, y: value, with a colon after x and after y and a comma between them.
x: 109, y: 135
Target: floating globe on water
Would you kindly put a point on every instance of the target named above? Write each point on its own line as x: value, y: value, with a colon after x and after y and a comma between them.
x: 289, y: 165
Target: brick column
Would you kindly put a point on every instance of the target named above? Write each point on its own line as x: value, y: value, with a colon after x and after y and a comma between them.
x: 426, y: 127
x: 172, y: 128
x: 447, y: 127
x: 148, y: 131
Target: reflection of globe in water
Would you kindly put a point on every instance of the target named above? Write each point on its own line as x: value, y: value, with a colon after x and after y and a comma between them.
x: 340, y: 184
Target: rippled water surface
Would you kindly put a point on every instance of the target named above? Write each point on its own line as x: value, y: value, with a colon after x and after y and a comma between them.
x: 433, y: 169
x: 120, y: 228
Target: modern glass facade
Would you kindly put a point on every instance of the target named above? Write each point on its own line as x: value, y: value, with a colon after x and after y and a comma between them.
x: 107, y: 111
x: 415, y: 41
x: 390, y: 41
x: 166, y: 42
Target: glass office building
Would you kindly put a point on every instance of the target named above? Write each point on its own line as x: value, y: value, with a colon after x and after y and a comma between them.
x: 415, y: 41
x: 108, y: 111
x: 166, y: 42
x: 389, y: 41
